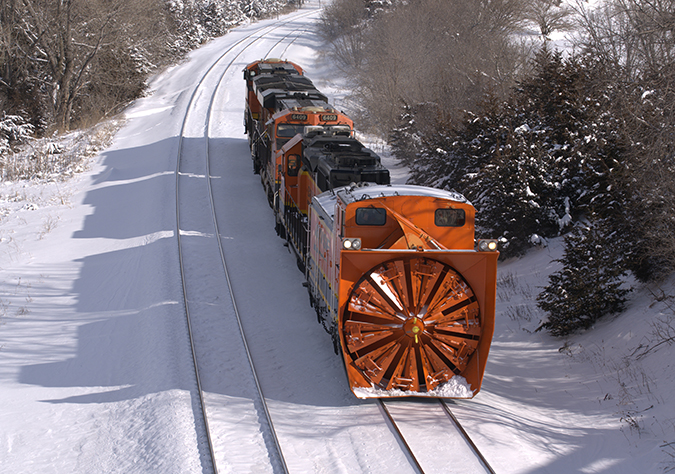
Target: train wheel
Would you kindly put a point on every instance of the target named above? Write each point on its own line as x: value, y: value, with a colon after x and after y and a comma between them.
x: 411, y: 323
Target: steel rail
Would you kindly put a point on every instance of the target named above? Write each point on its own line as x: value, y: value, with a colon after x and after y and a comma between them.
x: 263, y: 401
x: 178, y: 236
x: 287, y: 46
x: 416, y: 465
x: 261, y: 395
x: 401, y: 438
x: 466, y: 436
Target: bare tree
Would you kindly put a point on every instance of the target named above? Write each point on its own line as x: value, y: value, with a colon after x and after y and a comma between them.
x: 56, y: 50
x: 7, y: 47
x: 550, y: 15
x: 17, y: 94
x: 438, y: 56
x: 344, y: 24
x: 67, y: 35
x: 636, y: 41
x: 634, y: 35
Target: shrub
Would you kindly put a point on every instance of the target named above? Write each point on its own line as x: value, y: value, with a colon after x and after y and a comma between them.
x: 14, y: 130
x: 588, y: 286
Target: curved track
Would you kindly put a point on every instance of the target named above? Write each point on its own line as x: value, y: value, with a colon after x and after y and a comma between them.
x: 184, y: 173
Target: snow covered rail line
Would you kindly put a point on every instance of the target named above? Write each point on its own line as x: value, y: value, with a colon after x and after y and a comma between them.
x: 466, y: 436
x: 410, y: 419
x: 401, y: 438
x: 205, y: 276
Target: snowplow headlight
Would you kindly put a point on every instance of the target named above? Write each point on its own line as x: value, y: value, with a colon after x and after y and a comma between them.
x: 351, y: 244
x: 487, y: 245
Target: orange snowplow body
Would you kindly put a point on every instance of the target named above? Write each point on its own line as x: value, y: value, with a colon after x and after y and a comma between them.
x: 416, y: 301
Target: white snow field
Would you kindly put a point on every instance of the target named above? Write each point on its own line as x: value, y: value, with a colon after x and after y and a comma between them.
x: 96, y: 374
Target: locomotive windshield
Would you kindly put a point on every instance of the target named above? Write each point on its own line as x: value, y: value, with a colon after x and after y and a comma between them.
x: 371, y: 216
x: 449, y: 217
x: 289, y: 130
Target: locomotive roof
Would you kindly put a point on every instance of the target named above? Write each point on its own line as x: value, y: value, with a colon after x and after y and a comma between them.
x: 294, y: 90
x: 339, y: 159
x: 334, y: 147
x: 279, y: 67
x: 292, y: 82
x: 300, y: 101
x: 365, y: 191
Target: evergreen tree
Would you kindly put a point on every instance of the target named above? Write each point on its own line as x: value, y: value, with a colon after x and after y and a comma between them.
x: 586, y: 288
x: 532, y: 164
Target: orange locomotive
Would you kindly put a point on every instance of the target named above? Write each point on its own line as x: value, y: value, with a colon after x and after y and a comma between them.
x: 393, y: 272
x: 280, y: 103
x: 321, y: 159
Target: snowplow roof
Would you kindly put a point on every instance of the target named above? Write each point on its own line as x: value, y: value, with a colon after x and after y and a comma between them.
x: 365, y: 191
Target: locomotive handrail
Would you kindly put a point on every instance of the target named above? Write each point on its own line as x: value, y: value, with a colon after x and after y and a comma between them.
x: 297, y: 240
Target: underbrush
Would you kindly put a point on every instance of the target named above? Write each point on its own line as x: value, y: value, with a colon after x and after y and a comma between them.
x: 59, y: 157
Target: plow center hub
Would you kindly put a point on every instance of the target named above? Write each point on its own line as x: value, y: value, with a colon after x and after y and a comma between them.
x: 413, y: 326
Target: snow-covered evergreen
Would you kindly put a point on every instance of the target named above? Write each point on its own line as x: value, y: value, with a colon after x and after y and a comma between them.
x: 570, y: 301
x: 570, y: 144
x: 14, y: 130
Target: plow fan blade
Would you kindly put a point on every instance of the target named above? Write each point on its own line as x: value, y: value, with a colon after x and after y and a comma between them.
x: 411, y: 324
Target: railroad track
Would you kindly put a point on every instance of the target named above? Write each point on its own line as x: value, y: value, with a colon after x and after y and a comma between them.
x: 193, y: 228
x: 407, y: 416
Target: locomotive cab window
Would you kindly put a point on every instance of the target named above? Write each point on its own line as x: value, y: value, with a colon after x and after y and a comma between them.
x: 449, y: 217
x: 289, y: 130
x: 371, y: 216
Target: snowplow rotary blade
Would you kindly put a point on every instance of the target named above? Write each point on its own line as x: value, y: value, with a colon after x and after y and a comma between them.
x: 416, y: 323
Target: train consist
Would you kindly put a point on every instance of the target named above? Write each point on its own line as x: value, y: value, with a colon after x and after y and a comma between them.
x: 393, y: 272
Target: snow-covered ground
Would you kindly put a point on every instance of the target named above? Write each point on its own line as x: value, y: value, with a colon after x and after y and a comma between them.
x: 95, y: 371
